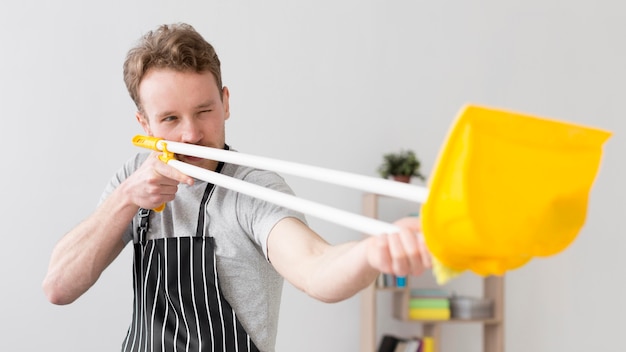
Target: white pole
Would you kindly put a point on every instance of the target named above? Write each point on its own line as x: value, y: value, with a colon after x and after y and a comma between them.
x: 381, y: 186
x: 353, y: 221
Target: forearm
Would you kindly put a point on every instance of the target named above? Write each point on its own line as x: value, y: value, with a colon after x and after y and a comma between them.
x: 327, y: 273
x: 334, y: 273
x: 341, y: 272
x: 82, y: 254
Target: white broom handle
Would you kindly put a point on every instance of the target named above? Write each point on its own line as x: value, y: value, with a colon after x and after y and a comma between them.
x: 353, y: 221
x: 381, y: 186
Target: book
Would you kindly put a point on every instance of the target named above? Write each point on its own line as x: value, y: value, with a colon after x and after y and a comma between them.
x: 429, y: 303
x: 390, y: 280
x: 408, y: 345
x: 388, y: 343
x: 401, y: 281
x: 380, y: 281
x: 400, y: 346
x: 429, y: 314
x: 412, y: 345
x: 428, y: 344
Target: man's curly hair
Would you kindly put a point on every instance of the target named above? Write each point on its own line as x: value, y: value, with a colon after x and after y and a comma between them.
x: 176, y: 46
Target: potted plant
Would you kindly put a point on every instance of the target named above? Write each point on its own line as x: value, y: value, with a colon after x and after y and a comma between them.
x: 401, y: 166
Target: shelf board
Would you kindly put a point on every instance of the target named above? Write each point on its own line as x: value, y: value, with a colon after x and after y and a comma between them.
x: 391, y: 289
x: 448, y: 321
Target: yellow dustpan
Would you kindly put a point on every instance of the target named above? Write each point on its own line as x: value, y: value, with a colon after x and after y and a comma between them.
x: 508, y: 187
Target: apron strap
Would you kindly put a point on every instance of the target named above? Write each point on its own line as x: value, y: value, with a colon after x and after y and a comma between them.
x: 207, y: 192
x: 144, y: 224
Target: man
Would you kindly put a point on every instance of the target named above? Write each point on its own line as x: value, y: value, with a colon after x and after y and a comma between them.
x: 208, y: 269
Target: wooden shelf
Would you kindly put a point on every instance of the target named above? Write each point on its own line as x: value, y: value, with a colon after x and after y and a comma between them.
x: 493, y: 288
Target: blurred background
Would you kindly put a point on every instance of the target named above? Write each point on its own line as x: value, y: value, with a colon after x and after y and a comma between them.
x: 329, y: 83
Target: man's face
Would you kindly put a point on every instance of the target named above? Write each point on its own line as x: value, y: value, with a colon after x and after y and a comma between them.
x: 184, y: 107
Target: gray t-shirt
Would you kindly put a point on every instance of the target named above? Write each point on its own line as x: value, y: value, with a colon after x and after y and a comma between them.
x: 240, y: 225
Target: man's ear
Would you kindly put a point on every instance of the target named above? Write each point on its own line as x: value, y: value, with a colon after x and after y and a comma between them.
x: 143, y: 121
x: 225, y: 103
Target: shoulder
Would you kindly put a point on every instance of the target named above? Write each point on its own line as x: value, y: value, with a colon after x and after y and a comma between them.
x: 134, y: 162
x: 267, y: 179
x: 131, y: 165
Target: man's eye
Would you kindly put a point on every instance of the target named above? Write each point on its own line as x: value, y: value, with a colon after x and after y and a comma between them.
x: 169, y: 118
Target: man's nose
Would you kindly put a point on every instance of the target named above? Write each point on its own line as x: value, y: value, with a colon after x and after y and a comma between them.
x: 191, y: 131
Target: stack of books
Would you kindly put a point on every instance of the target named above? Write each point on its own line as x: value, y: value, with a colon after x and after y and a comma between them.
x: 388, y: 280
x: 391, y: 343
x: 429, y: 304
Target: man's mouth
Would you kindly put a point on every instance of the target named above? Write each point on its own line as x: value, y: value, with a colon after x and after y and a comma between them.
x: 188, y: 158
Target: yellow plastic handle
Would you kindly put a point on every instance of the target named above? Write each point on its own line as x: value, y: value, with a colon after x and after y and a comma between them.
x: 148, y: 142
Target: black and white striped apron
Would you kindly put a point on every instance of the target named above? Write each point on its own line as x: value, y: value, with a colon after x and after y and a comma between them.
x: 178, y: 304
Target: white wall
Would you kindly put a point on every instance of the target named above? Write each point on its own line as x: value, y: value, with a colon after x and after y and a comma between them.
x: 329, y: 83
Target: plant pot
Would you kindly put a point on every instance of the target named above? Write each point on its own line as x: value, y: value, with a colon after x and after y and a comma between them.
x: 402, y: 178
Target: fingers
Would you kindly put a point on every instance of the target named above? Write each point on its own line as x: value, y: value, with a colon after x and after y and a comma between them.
x: 160, y: 189
x: 169, y: 172
x: 403, y: 253
x: 155, y: 183
x: 413, y: 226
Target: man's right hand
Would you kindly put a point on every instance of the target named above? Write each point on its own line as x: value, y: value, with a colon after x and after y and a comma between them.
x: 154, y: 183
